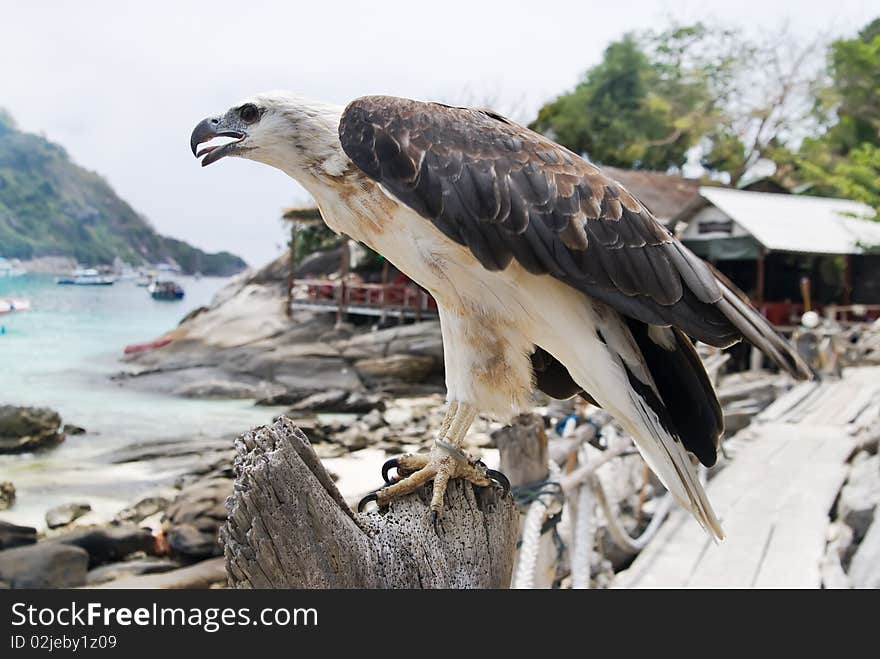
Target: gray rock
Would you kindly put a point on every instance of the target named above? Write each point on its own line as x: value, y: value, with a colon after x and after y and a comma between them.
x: 864, y: 569
x: 192, y: 522
x: 12, y: 535
x: 839, y: 537
x: 423, y: 339
x: 338, y: 400
x: 66, y: 513
x: 7, y: 495
x: 861, y: 494
x: 108, y: 544
x: 408, y: 368
x: 70, y: 429
x: 285, y: 398
x: 398, y: 416
x: 28, y: 428
x: 323, y: 401
x: 138, y: 566
x: 372, y: 419
x: 221, y: 388
x: 359, y: 402
x: 319, y: 373
x: 145, y: 507
x: 44, y: 565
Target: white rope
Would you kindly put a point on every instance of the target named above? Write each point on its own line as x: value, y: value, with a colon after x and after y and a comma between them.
x: 582, y: 490
x: 615, y: 528
x: 531, y: 535
x: 528, y: 551
x: 583, y: 536
x: 584, y: 483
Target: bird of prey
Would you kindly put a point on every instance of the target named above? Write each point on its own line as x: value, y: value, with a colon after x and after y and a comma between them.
x: 546, y: 272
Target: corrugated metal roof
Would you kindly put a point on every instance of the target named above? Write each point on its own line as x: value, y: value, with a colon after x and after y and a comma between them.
x: 798, y: 223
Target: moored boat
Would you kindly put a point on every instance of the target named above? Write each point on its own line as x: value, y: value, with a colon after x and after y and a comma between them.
x: 165, y: 290
x: 87, y: 277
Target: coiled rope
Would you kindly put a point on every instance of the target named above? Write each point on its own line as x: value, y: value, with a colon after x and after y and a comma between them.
x: 579, y: 490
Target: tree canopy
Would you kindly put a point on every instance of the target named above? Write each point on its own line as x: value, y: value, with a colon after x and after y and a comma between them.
x: 658, y: 99
x: 844, y: 159
x: 619, y: 114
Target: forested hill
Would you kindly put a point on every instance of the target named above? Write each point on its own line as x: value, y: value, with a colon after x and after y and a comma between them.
x: 50, y: 206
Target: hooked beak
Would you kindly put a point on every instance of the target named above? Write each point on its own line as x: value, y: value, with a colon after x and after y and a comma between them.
x: 206, y: 131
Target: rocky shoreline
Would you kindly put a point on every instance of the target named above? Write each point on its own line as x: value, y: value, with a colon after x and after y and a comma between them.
x: 245, y: 346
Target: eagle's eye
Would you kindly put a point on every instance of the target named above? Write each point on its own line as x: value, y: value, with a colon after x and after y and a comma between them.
x: 248, y: 113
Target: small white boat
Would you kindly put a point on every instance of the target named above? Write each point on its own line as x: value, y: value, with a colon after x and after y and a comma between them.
x: 11, y: 304
x: 87, y: 277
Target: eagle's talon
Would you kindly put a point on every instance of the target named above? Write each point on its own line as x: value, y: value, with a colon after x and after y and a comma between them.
x: 389, y: 464
x: 499, y: 480
x: 372, y: 496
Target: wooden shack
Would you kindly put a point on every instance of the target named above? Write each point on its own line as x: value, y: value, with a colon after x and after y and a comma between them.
x: 789, y: 253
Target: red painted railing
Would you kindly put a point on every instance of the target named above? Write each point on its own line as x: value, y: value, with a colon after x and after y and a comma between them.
x: 345, y: 294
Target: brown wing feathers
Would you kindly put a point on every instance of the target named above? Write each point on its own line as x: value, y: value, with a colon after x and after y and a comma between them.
x: 507, y: 193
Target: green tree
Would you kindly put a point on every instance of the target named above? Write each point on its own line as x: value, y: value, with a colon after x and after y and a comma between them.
x: 854, y: 92
x: 844, y: 160
x: 656, y: 95
x: 614, y: 116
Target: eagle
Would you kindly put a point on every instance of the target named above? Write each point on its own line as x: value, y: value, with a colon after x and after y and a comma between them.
x: 547, y: 274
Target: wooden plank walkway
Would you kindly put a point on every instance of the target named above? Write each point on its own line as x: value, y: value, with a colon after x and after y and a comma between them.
x: 773, y: 498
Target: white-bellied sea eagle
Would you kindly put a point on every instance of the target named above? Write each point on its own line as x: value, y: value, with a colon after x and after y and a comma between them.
x: 546, y: 273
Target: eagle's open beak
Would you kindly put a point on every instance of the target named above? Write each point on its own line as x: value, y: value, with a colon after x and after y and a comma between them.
x: 206, y: 131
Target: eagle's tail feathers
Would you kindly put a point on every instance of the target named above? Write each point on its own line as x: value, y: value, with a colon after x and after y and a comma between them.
x: 668, y: 459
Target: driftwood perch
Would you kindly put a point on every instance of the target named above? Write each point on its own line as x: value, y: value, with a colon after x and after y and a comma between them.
x: 289, y: 527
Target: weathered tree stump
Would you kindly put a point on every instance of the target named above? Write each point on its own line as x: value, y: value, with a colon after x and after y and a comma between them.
x: 289, y: 527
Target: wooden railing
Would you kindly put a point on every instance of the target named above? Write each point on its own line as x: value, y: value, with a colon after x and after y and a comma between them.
x: 371, y: 299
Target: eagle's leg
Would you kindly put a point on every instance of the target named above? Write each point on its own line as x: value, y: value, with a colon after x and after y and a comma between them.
x: 445, y: 461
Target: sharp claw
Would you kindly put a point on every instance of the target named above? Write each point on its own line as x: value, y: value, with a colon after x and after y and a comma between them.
x: 500, y: 479
x: 389, y: 464
x: 373, y: 496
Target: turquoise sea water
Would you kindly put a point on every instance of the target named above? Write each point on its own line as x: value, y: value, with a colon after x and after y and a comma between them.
x: 61, y: 354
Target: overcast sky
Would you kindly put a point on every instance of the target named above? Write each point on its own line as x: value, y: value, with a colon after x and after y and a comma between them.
x: 121, y: 84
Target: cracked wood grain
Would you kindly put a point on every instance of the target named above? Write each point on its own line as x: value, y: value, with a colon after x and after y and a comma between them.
x: 289, y: 527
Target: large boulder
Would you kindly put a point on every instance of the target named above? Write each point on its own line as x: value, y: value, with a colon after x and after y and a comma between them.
x: 12, y: 535
x: 28, y: 428
x: 65, y: 513
x: 44, y: 565
x: 408, y: 368
x: 110, y: 543
x: 192, y: 522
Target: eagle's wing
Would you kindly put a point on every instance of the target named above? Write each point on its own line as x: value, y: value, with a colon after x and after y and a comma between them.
x: 509, y: 193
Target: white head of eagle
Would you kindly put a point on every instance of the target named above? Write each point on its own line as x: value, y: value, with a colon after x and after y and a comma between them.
x: 546, y: 273
x: 277, y: 128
